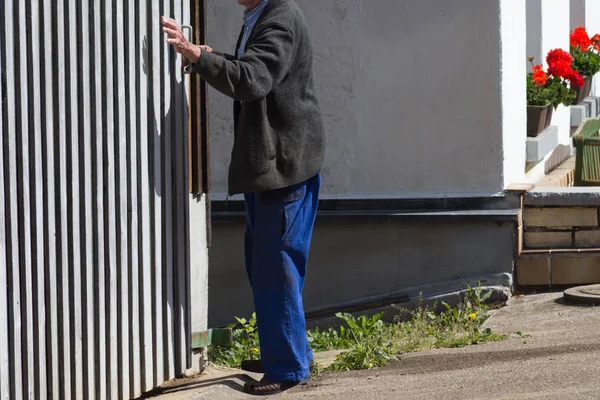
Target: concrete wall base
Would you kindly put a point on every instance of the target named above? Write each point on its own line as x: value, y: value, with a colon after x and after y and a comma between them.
x: 368, y: 265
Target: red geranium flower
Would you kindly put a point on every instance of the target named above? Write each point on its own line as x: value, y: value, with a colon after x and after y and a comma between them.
x: 596, y: 41
x: 558, y: 56
x: 561, y: 69
x: 539, y: 76
x: 575, y: 78
x: 580, y: 38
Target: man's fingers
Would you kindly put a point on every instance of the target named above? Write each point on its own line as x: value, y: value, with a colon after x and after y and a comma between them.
x: 172, y: 27
x: 170, y: 23
x: 171, y: 32
x: 175, y: 35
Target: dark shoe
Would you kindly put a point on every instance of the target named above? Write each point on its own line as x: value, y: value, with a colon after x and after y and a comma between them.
x: 266, y: 387
x: 257, y: 367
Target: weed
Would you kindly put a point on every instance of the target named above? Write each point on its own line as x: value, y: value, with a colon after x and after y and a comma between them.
x: 326, y: 340
x: 245, y: 345
x: 455, y: 327
x: 369, y: 342
x: 522, y: 335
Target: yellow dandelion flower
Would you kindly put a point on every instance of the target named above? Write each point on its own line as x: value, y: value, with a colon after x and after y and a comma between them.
x: 254, y: 349
x: 473, y: 316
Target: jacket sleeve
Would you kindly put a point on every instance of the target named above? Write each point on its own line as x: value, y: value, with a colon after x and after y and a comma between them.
x: 224, y: 55
x: 253, y: 76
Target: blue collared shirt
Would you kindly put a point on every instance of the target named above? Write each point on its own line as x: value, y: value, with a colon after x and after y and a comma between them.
x: 250, y: 18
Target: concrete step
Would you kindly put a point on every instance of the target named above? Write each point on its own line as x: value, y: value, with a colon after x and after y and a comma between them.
x: 561, y: 176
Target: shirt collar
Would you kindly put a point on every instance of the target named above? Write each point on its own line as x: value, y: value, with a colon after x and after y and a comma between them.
x: 250, y: 16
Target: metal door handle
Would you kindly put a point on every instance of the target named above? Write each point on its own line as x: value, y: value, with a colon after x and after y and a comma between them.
x: 188, y: 68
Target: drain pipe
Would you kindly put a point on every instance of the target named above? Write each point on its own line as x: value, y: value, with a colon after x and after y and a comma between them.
x: 550, y: 252
x: 550, y: 269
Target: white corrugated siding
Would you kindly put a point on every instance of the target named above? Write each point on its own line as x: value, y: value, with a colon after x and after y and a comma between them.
x: 94, y: 255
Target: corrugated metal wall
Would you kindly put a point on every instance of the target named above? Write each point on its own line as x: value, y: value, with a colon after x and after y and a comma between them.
x: 94, y: 295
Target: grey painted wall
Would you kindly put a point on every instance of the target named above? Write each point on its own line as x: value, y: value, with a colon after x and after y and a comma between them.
x: 353, y: 261
x: 410, y: 91
x: 534, y: 32
x: 577, y: 13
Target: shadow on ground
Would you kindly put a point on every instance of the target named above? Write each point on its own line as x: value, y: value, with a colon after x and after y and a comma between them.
x: 224, y: 381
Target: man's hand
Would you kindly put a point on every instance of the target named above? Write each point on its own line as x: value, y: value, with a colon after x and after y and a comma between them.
x: 177, y: 39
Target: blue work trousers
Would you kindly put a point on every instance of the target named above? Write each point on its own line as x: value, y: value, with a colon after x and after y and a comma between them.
x: 279, y: 228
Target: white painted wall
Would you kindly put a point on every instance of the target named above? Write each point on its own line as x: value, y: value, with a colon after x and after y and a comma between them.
x: 198, y: 269
x: 513, y: 89
x: 587, y: 13
x: 555, y: 33
x: 411, y: 93
x: 548, y: 28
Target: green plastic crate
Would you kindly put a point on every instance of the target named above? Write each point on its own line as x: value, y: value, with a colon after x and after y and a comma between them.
x: 587, y: 145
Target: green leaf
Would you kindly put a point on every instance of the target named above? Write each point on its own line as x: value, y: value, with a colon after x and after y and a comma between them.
x: 486, y: 295
x: 377, y: 316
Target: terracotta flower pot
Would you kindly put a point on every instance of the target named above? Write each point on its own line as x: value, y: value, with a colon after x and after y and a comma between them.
x: 583, y: 91
x: 538, y: 119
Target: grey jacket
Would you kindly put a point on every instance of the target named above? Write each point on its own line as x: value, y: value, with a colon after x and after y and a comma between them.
x: 279, y: 134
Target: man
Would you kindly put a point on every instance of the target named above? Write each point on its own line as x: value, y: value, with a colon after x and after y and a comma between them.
x: 276, y: 161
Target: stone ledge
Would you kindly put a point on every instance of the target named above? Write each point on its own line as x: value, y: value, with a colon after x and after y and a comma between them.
x: 587, y: 238
x: 575, y: 271
x: 562, y: 197
x: 548, y: 240
x: 561, y: 270
x: 578, y: 115
x: 593, y: 106
x: 588, y: 108
x: 532, y: 272
x: 409, y: 298
x: 542, y: 145
x: 560, y: 217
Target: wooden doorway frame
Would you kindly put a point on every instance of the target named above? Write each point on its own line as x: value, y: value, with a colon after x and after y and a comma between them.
x: 199, y: 149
